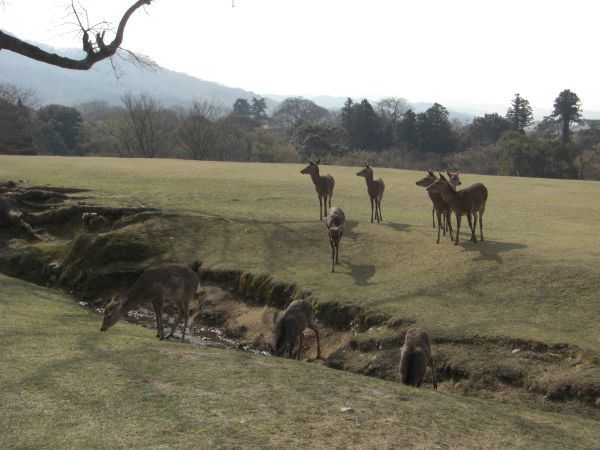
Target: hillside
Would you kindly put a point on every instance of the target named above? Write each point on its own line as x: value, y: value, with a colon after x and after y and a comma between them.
x: 70, y: 87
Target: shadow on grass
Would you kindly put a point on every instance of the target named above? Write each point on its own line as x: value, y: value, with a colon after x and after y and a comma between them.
x: 361, y: 273
x: 397, y: 226
x: 490, y: 250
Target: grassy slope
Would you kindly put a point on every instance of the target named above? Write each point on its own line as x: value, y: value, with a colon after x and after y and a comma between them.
x: 65, y: 384
x: 535, y: 276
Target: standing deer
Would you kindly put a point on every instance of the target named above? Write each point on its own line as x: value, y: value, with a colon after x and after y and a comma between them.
x: 375, y: 188
x: 290, y: 328
x: 469, y: 201
x: 415, y: 356
x: 323, y: 185
x: 440, y: 207
x: 335, y: 225
x: 167, y: 283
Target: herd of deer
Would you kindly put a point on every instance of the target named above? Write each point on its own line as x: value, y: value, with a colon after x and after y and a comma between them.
x: 177, y: 284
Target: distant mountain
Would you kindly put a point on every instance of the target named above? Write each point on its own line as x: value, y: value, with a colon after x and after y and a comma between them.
x: 72, y: 87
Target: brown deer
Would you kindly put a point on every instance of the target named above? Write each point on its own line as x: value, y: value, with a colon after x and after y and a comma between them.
x: 167, y: 283
x: 469, y: 201
x: 290, y: 327
x: 440, y: 207
x: 375, y: 188
x: 323, y: 185
x: 335, y: 225
x: 415, y: 356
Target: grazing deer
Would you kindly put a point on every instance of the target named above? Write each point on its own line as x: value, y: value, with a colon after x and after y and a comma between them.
x: 290, y: 327
x: 335, y: 225
x: 415, y: 356
x: 167, y: 283
x: 440, y: 207
x: 375, y: 188
x: 323, y: 185
x: 469, y: 201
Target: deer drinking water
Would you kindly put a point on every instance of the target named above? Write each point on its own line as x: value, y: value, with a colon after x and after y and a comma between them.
x: 323, y: 185
x: 290, y: 327
x: 415, y: 356
x: 335, y: 225
x: 469, y: 201
x: 440, y: 207
x: 375, y: 188
x: 167, y: 283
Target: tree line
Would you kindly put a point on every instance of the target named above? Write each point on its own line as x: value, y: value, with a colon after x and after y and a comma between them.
x: 386, y: 133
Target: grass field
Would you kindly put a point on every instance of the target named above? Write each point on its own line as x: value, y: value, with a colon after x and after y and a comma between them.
x: 66, y: 385
x: 535, y: 277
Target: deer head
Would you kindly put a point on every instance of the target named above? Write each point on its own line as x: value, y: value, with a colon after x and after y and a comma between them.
x: 366, y: 172
x: 427, y: 180
x: 453, y: 179
x: 112, y: 314
x: 312, y: 168
x: 438, y: 185
x: 335, y: 234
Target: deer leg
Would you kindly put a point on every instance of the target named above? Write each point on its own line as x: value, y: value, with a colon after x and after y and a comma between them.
x: 470, y: 218
x: 301, y: 339
x: 458, y: 219
x: 379, y: 204
x: 371, y: 209
x: 313, y: 326
x: 448, y: 215
x: 433, y: 216
x: 321, y: 207
x: 481, y: 225
x: 158, y: 319
x: 432, y: 372
x: 332, y: 256
x: 440, y: 225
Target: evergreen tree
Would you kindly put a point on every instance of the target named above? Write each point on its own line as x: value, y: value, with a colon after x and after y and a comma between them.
x: 258, y: 109
x: 241, y: 107
x: 435, y: 132
x: 567, y: 111
x: 519, y: 114
x: 408, y: 132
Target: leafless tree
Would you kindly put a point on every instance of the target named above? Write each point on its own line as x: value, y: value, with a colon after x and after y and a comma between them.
x: 392, y: 109
x: 16, y: 95
x: 96, y: 49
x: 200, y: 132
x: 146, y: 128
x: 296, y: 110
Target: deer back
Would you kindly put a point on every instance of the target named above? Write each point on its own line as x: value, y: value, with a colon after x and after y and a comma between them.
x: 292, y: 323
x: 171, y: 283
x: 416, y: 352
x: 335, y: 217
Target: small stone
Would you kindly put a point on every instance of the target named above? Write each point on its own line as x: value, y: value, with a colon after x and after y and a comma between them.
x: 346, y: 409
x: 515, y: 351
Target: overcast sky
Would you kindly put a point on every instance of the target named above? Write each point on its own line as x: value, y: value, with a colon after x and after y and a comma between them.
x: 452, y: 52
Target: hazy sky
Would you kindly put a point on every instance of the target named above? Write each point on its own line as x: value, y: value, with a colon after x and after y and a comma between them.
x: 460, y: 51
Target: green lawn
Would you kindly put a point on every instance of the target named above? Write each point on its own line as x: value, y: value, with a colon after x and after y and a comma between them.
x: 63, y: 384
x: 535, y: 277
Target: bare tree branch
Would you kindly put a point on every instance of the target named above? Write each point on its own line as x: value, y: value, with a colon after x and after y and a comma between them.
x: 95, y: 51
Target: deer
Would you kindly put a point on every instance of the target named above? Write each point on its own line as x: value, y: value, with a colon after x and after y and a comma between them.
x: 375, y: 188
x: 335, y: 226
x: 440, y: 207
x: 469, y: 201
x: 323, y: 185
x: 290, y: 327
x: 168, y: 283
x: 415, y: 356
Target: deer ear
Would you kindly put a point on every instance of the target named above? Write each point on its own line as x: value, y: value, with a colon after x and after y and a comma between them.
x: 430, y: 173
x: 367, y: 166
x: 318, y: 161
x: 442, y: 177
